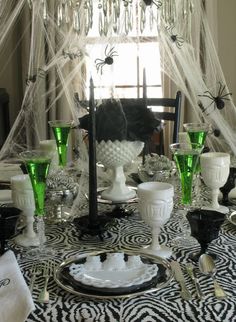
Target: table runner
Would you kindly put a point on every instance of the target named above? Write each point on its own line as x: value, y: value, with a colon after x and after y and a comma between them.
x: 163, y: 305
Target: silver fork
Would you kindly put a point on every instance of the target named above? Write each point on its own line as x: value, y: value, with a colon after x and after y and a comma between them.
x: 34, y: 271
x: 191, y: 272
x: 48, y: 271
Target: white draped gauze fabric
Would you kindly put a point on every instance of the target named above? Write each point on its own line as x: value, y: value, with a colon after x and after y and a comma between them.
x: 58, y: 53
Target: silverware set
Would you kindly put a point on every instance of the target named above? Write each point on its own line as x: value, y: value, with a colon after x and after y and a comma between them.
x: 206, y: 267
x: 43, y: 270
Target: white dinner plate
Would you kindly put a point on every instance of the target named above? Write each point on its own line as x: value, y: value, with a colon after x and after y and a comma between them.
x: 113, y: 272
x: 161, y: 278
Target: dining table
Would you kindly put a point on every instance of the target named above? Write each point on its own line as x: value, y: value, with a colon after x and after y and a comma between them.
x: 128, y: 232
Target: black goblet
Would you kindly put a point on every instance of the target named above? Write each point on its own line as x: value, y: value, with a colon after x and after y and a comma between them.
x: 205, y: 226
x: 229, y: 185
x: 8, y: 219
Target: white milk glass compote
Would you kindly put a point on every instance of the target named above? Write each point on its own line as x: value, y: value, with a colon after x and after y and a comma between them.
x: 114, y: 155
x: 155, y: 202
x: 215, y: 168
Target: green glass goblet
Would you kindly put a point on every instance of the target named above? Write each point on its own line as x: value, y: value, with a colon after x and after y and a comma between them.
x: 197, y: 133
x: 61, y: 130
x: 186, y: 157
x: 37, y: 164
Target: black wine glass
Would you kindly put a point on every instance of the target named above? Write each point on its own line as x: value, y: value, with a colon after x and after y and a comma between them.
x: 229, y: 185
x: 205, y: 226
x: 8, y: 220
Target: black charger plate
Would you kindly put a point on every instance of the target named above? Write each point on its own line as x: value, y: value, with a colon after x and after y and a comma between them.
x: 68, y: 283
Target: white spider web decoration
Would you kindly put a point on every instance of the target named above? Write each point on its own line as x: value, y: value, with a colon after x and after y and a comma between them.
x: 58, y: 53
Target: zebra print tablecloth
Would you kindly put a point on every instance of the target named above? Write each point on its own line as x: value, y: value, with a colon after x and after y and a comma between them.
x: 165, y: 305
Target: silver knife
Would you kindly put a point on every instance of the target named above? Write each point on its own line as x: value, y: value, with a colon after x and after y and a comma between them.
x: 191, y: 272
x: 178, y: 274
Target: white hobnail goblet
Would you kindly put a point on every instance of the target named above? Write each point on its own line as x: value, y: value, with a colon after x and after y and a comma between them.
x: 23, y: 198
x: 155, y: 203
x: 215, y: 168
x: 114, y: 155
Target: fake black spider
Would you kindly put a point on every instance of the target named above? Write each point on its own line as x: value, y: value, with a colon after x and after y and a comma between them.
x: 175, y: 38
x: 108, y: 59
x: 216, y: 133
x: 157, y: 3
x: 33, y: 78
x: 217, y: 100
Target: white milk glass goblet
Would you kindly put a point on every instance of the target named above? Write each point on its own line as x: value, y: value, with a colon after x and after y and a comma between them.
x: 215, y: 168
x: 23, y: 198
x: 155, y: 202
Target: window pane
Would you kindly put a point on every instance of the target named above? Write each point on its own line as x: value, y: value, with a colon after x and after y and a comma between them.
x: 149, y: 57
x: 154, y: 92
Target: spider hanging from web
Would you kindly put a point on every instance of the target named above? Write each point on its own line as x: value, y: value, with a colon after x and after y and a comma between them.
x: 32, y: 78
x: 108, y: 59
x: 218, y: 100
x: 157, y: 3
x: 179, y: 41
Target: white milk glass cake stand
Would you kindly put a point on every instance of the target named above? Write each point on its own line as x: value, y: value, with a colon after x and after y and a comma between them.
x: 114, y: 155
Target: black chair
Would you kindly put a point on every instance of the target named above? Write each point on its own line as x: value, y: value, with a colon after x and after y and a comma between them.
x: 4, y: 118
x: 171, y: 113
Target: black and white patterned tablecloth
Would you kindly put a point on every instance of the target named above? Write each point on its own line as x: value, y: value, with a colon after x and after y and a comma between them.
x: 164, y: 305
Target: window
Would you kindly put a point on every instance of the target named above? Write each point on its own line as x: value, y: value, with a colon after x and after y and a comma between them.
x: 132, y: 54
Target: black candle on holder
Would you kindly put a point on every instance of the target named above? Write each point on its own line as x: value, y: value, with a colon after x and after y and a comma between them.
x: 93, y: 224
x: 93, y: 209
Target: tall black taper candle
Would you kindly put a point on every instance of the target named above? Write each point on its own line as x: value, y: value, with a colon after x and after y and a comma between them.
x: 92, y: 224
x: 93, y: 209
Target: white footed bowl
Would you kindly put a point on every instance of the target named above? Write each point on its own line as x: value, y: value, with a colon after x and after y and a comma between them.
x: 115, y: 155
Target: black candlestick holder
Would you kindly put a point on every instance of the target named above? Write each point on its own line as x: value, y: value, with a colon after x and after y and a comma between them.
x: 98, y: 228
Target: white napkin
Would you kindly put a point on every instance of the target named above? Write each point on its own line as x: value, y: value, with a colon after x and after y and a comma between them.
x: 16, y: 301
